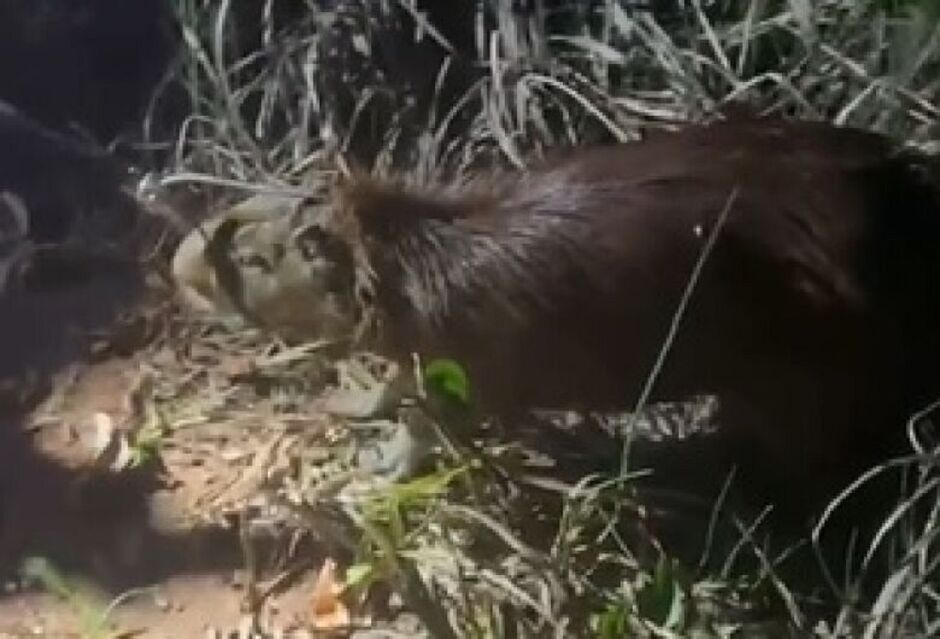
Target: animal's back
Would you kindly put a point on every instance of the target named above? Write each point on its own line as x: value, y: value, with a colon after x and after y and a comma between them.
x: 815, y: 318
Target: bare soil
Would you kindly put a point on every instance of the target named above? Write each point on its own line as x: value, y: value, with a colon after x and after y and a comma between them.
x: 125, y: 537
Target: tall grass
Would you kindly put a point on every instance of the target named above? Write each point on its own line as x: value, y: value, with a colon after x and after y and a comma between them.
x: 259, y: 106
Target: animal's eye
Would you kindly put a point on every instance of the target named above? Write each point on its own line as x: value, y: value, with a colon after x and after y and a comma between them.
x: 252, y: 260
x: 364, y: 295
x: 313, y: 242
x: 329, y: 255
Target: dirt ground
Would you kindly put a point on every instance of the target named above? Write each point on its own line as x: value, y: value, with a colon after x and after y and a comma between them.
x: 196, y: 605
x: 124, y: 536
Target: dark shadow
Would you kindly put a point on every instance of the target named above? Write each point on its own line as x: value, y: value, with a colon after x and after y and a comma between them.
x: 98, y: 525
x: 84, y: 64
x: 69, y: 244
x: 688, y: 499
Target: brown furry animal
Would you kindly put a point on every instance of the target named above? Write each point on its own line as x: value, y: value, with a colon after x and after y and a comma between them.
x: 816, y: 317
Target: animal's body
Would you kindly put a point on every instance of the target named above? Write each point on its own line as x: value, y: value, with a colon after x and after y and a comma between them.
x: 816, y: 317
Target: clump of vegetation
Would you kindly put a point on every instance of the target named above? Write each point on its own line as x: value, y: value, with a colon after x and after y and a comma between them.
x: 288, y: 97
x: 262, y: 98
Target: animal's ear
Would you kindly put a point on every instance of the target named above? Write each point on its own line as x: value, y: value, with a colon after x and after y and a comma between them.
x: 216, y: 252
x: 227, y: 276
x: 313, y: 242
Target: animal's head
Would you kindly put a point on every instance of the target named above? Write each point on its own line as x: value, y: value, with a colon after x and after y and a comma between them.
x: 276, y: 261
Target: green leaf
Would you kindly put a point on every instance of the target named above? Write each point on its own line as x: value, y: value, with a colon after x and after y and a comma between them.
x: 359, y: 574
x: 387, y: 510
x: 662, y: 601
x: 613, y: 623
x: 416, y: 491
x: 449, y: 379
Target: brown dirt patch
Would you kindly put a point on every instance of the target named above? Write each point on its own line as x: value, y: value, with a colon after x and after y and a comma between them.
x: 136, y: 530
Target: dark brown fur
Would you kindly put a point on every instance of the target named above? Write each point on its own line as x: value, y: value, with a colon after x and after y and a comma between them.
x: 815, y: 319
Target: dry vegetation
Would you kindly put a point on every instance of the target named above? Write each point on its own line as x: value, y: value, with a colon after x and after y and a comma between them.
x: 475, y: 546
